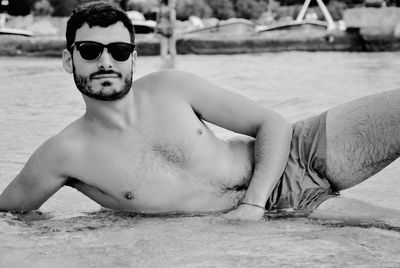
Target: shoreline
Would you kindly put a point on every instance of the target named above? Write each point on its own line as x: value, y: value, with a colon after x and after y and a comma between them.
x: 352, y: 40
x: 368, y: 30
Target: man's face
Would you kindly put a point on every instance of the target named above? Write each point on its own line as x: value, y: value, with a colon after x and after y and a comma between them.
x: 104, y: 78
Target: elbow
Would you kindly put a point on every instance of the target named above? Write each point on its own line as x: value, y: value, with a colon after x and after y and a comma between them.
x: 284, y: 125
x: 287, y: 131
x: 288, y: 128
x: 282, y: 128
x: 276, y: 126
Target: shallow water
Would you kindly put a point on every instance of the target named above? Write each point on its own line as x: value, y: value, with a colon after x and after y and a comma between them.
x: 38, y: 99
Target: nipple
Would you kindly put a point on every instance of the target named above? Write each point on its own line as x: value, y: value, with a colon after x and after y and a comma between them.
x: 128, y: 195
x: 199, y: 131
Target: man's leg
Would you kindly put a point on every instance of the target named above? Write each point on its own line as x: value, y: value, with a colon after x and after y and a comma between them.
x: 363, y: 137
x: 172, y: 47
x: 163, y: 47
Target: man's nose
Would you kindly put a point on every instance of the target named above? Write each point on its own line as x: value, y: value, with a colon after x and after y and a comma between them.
x: 105, y: 62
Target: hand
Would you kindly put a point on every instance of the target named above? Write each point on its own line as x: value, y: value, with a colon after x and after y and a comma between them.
x: 246, y: 212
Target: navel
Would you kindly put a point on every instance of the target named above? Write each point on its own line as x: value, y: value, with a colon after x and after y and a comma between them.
x: 128, y: 195
x: 199, y: 131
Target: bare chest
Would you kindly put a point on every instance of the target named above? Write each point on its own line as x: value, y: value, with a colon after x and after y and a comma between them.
x: 169, y: 162
x: 152, y: 170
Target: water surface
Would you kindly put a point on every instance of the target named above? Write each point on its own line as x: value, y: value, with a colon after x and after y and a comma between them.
x: 38, y: 99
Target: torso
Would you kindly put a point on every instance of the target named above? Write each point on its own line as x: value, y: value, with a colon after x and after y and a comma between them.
x: 168, y: 162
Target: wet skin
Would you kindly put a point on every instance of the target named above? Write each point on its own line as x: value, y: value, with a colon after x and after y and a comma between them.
x: 170, y: 161
x: 150, y: 151
x: 165, y: 160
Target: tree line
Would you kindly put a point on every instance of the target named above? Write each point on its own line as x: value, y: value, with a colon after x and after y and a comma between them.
x: 220, y: 9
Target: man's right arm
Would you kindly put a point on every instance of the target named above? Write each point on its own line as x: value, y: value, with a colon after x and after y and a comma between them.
x: 39, y: 179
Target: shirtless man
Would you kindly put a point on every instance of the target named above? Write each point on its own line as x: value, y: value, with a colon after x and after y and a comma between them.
x: 144, y: 147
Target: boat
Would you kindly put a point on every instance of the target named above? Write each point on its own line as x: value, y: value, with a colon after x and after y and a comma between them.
x: 12, y: 31
x: 140, y: 24
x: 234, y: 26
x: 144, y: 27
x: 318, y: 24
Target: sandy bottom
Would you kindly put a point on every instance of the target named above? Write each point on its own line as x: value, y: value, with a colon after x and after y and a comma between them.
x: 195, y: 242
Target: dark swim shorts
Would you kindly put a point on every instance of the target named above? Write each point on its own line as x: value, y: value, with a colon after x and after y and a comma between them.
x: 302, y: 185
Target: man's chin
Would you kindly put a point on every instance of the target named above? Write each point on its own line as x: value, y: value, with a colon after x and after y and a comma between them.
x: 103, y: 90
x: 108, y: 96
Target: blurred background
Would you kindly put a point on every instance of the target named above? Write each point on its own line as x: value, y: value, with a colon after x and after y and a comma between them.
x: 47, y: 17
x: 262, y: 11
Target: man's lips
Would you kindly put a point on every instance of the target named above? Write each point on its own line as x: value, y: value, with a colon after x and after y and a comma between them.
x: 105, y: 76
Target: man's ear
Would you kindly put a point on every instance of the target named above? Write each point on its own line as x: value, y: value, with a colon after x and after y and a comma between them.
x: 134, y: 58
x: 67, y: 61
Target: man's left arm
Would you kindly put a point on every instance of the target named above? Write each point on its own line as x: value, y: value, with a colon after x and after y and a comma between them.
x: 271, y: 131
x: 271, y: 152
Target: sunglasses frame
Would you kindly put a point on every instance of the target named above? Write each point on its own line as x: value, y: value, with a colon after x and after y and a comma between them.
x: 77, y: 44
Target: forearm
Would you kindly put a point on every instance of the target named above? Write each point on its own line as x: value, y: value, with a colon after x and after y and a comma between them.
x: 11, y: 200
x: 23, y: 195
x: 4, y: 202
x: 271, y: 152
x: 2, y: 205
x: 7, y: 202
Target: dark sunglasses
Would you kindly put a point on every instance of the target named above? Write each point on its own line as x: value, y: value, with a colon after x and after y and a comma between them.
x: 91, y: 50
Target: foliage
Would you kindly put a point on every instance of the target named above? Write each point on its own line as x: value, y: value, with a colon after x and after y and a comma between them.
x: 222, y: 9
x: 352, y: 3
x: 300, y: 2
x: 42, y: 8
x: 19, y: 7
x: 284, y: 12
x: 289, y: 2
x: 250, y: 9
x: 141, y: 6
x: 187, y: 8
x: 122, y: 3
x: 394, y: 3
x: 147, y: 8
x: 63, y: 8
x: 336, y: 9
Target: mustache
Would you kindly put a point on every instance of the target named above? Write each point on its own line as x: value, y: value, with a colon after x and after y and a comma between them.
x: 104, y: 72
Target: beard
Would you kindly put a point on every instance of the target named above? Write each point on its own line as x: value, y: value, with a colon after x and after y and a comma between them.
x: 84, y: 85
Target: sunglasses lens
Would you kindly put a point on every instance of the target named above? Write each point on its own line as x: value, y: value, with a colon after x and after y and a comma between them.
x: 90, y: 51
x: 120, y: 51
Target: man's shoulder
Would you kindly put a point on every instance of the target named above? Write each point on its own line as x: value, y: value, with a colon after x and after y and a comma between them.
x: 54, y: 157
x: 165, y: 81
x: 62, y: 147
x: 171, y: 87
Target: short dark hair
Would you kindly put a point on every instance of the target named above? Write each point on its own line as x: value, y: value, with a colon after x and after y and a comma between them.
x: 97, y: 13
